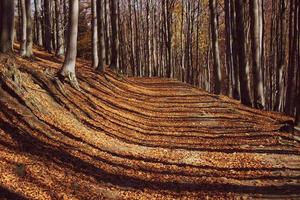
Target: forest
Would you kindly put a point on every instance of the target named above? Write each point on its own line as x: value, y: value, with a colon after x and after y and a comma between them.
x: 149, y: 99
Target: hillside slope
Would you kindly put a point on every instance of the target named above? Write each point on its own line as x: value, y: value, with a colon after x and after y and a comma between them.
x: 135, y: 138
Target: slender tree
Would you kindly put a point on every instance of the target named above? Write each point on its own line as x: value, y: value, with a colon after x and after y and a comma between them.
x: 68, y: 68
x: 29, y: 29
x: 241, y: 51
x: 215, y: 47
x: 39, y: 22
x: 47, y: 25
x: 24, y: 30
x: 6, y: 25
x: 101, y: 42
x: 59, y: 30
x: 95, y: 33
x: 256, y: 45
x: 114, y: 39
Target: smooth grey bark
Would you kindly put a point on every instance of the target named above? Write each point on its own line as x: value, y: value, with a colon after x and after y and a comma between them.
x: 215, y: 47
x: 39, y: 26
x: 68, y: 68
x: 256, y: 28
x: 114, y: 64
x: 100, y: 21
x: 29, y: 29
x: 241, y: 51
x: 59, y: 31
x: 24, y: 32
x: 6, y: 25
x: 47, y: 24
x: 95, y: 59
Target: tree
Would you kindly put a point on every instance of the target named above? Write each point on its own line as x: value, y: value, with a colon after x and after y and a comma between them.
x: 100, y: 20
x: 39, y: 22
x: 256, y: 46
x: 241, y: 51
x: 47, y: 25
x: 215, y: 47
x: 24, y: 29
x: 59, y: 31
x: 68, y: 68
x: 114, y: 39
x: 29, y: 28
x: 95, y: 34
x: 6, y: 25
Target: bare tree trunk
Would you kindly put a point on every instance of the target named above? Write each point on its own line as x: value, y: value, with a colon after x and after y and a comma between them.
x: 29, y: 28
x: 47, y: 24
x: 6, y: 25
x: 289, y: 107
x: 241, y: 50
x: 38, y: 11
x: 24, y: 32
x: 132, y: 44
x: 114, y: 41
x: 256, y: 45
x: 215, y: 48
x: 68, y: 68
x: 59, y: 32
x: 95, y: 33
x: 102, y: 50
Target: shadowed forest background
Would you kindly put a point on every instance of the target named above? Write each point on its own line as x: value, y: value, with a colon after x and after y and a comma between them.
x: 149, y: 99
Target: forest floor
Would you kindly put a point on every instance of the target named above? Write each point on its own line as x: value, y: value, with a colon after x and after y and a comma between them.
x: 135, y: 138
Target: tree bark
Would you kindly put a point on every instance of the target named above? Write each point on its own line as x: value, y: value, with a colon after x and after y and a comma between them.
x: 24, y: 32
x: 7, y: 25
x: 29, y: 29
x: 47, y: 24
x: 95, y: 60
x: 68, y: 68
x: 215, y: 47
x: 59, y: 30
x: 256, y: 46
x: 114, y: 39
x: 38, y: 11
x: 241, y: 50
x: 102, y: 50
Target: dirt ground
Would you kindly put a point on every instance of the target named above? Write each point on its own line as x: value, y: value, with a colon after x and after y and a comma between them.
x: 135, y: 138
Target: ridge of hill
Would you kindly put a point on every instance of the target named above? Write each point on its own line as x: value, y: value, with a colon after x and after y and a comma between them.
x: 135, y: 138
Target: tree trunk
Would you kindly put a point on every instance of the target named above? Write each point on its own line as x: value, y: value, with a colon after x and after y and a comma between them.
x: 7, y: 25
x: 256, y: 46
x: 241, y: 50
x: 68, y: 68
x: 38, y: 11
x: 29, y: 28
x: 47, y: 24
x: 102, y: 50
x: 114, y: 39
x: 215, y: 47
x: 24, y: 32
x: 95, y: 33
x: 59, y: 31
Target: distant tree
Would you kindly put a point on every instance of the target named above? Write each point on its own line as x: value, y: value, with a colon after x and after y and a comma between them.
x: 68, y: 68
